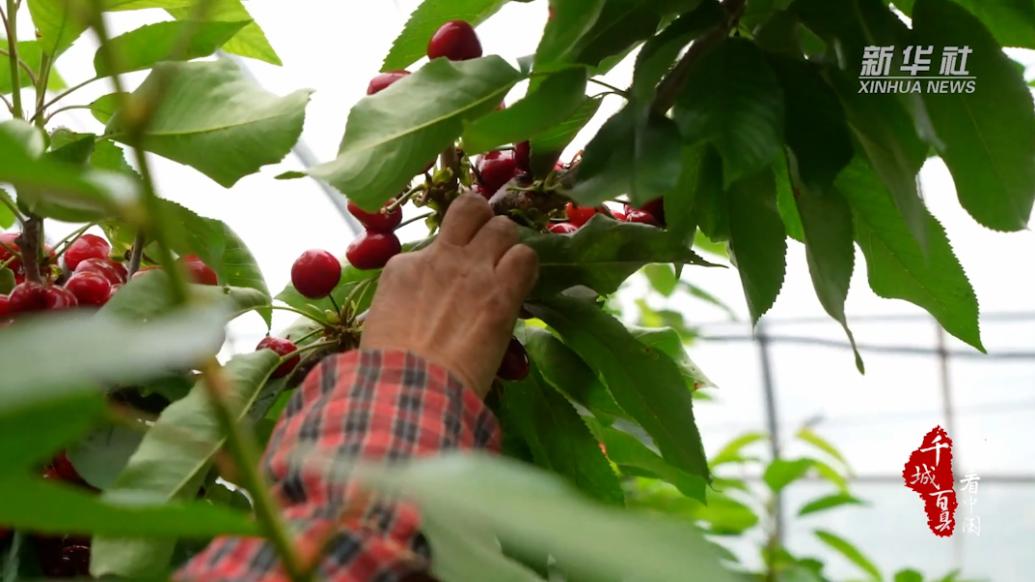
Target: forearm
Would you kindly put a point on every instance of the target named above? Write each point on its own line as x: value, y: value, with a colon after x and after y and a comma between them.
x: 366, y: 404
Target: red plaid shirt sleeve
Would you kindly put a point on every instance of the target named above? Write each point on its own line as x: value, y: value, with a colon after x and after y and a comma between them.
x: 368, y: 404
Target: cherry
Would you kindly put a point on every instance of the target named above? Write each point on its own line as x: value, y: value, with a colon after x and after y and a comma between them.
x: 75, y: 560
x: 384, y: 80
x: 523, y: 156
x: 61, y: 469
x: 113, y: 271
x: 579, y: 215
x: 656, y: 208
x: 282, y: 347
x: 89, y: 288
x: 455, y: 40
x: 515, y: 362
x: 618, y: 215
x: 198, y: 271
x: 496, y: 168
x: 88, y: 246
x: 372, y: 250
x: 641, y: 216
x: 29, y: 297
x: 562, y: 228
x: 5, y: 306
x: 316, y: 273
x: 377, y: 221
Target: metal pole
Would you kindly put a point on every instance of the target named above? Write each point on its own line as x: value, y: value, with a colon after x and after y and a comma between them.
x: 769, y: 396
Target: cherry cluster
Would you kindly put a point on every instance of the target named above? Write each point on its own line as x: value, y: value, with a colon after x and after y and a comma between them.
x: 651, y: 213
x: 87, y: 275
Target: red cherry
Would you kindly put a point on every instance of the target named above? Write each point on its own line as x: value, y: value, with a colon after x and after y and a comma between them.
x: 562, y: 228
x: 384, y: 80
x: 579, y: 215
x: 618, y: 215
x: 74, y: 560
x: 61, y: 468
x: 89, y: 288
x: 656, y: 208
x: 455, y: 40
x: 496, y: 168
x: 372, y: 250
x: 316, y: 273
x: 5, y: 306
x: 377, y: 221
x: 640, y: 216
x: 88, y: 246
x: 523, y: 156
x: 113, y: 271
x: 31, y: 297
x: 282, y: 347
x: 198, y: 271
x: 515, y: 362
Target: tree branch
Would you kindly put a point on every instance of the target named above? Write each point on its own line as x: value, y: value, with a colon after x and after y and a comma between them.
x: 12, y: 57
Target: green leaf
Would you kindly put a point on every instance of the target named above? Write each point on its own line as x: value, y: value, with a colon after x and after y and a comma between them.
x: 816, y: 130
x: 390, y: 136
x: 597, y: 34
x: 602, y: 254
x: 551, y: 102
x: 635, y: 153
x: 827, y: 225
x: 48, y: 507
x: 54, y: 418
x: 730, y: 452
x: 988, y: 136
x: 249, y: 42
x: 809, y: 436
x: 786, y: 204
x: 897, y: 267
x: 163, y: 41
x: 7, y: 217
x: 849, y: 551
x: 464, y: 552
x: 61, y: 190
x: 831, y: 475
x: 148, y: 295
x: 1012, y: 22
x: 908, y: 575
x: 564, y: 370
x: 101, y: 455
x: 536, y: 513
x: 782, y: 472
x: 412, y: 43
x: 219, y: 247
x: 829, y: 502
x: 883, y: 129
x: 558, y: 438
x: 733, y: 100
x: 548, y: 145
x: 168, y: 467
x: 662, y: 278
x: 627, y: 451
x: 658, y: 54
x: 571, y: 20
x: 718, y: 514
x: 757, y: 240
x: 215, y: 119
x: 644, y: 382
x: 669, y: 342
x: 103, y: 108
x: 7, y: 280
x: 57, y: 27
x: 105, y: 350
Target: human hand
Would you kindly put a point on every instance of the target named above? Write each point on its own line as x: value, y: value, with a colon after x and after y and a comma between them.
x: 454, y: 303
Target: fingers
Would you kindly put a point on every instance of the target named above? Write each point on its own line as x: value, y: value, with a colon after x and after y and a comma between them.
x: 518, y: 271
x: 465, y: 217
x: 495, y: 238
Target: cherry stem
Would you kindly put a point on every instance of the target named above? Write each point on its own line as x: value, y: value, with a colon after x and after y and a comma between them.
x: 414, y: 219
x: 66, y: 242
x: 307, y: 315
x: 308, y: 348
x: 307, y: 336
x: 335, y: 304
x: 401, y: 200
x: 30, y: 242
x: 613, y: 89
x: 136, y: 253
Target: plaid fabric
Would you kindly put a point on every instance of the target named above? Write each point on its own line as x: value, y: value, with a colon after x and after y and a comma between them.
x: 370, y: 404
